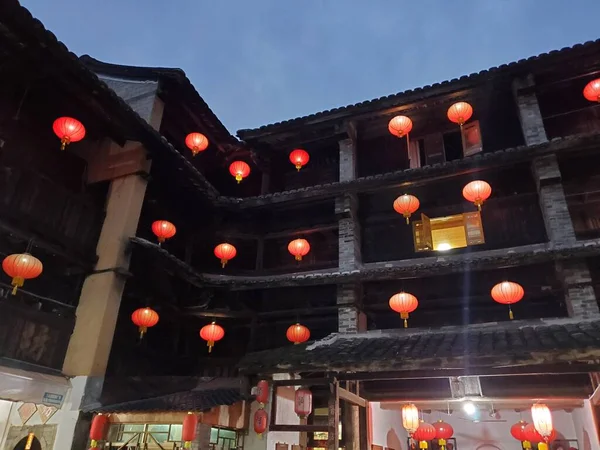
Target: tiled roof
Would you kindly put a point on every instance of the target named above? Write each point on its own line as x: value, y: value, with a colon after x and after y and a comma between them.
x: 561, y: 341
x: 400, y: 98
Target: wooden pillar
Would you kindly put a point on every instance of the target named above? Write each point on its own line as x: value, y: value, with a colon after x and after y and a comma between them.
x: 333, y: 441
x: 351, y: 421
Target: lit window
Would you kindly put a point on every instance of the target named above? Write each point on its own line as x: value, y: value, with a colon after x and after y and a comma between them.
x: 446, y: 233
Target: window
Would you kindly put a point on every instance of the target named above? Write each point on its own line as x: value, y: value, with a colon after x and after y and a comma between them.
x: 150, y: 434
x: 223, y: 439
x: 445, y: 233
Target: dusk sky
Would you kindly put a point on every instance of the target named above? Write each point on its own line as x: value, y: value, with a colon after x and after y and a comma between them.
x: 261, y: 61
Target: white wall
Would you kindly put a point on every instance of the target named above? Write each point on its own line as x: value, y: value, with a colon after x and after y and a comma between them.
x: 5, y: 407
x: 585, y: 427
x: 386, y: 426
x: 285, y: 415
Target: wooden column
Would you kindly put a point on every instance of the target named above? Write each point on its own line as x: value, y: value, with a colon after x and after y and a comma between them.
x: 333, y: 426
x: 351, y: 422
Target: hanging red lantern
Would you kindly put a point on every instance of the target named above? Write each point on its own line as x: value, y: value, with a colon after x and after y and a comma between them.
x: 400, y: 126
x: 460, y: 113
x: 508, y: 293
x: 404, y: 303
x: 240, y: 170
x: 424, y: 434
x: 188, y: 433
x: 225, y: 252
x: 542, y: 421
x: 163, y: 230
x: 299, y: 158
x: 21, y: 267
x: 406, y: 205
x: 443, y: 432
x: 299, y: 248
x: 68, y: 130
x: 262, y: 394
x: 410, y: 418
x: 298, y: 334
x: 518, y: 430
x: 477, y: 192
x: 196, y: 142
x: 98, y: 429
x: 531, y: 435
x: 212, y: 333
x: 303, y: 403
x: 592, y: 90
x: 260, y: 422
x: 144, y: 318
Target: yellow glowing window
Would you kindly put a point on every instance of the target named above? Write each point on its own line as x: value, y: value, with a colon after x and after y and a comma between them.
x: 445, y: 233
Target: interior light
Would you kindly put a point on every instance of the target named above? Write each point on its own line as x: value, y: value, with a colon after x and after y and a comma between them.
x: 469, y: 408
x: 443, y: 246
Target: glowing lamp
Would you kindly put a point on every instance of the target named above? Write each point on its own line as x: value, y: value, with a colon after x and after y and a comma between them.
x: 212, y: 333
x: 68, y: 130
x: 542, y: 421
x: 188, y: 432
x: 21, y: 267
x: 196, y: 142
x: 410, y: 418
x: 260, y: 422
x: 400, y: 126
x: 299, y: 158
x: 443, y: 432
x: 240, y: 170
x: 404, y: 303
x: 298, y: 334
x: 477, y: 192
x: 144, y: 318
x: 508, y: 293
x: 425, y: 433
x: 163, y: 230
x: 225, y: 252
x: 406, y: 205
x: 299, y: 248
x: 460, y: 112
x: 303, y: 403
x: 592, y: 90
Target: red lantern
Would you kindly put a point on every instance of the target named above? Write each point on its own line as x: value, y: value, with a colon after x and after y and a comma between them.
x: 508, y: 293
x: 68, y: 130
x: 477, y: 192
x: 299, y: 248
x: 303, y: 403
x: 163, y: 230
x: 299, y: 158
x: 518, y: 430
x: 260, y: 422
x: 144, y: 318
x: 443, y: 432
x: 225, y: 252
x: 212, y: 333
x: 542, y: 421
x: 410, y: 418
x: 404, y: 304
x: 460, y: 112
x: 531, y: 435
x: 21, y: 267
x: 262, y: 395
x: 592, y: 90
x: 97, y: 430
x: 424, y: 434
x: 196, y: 142
x: 400, y: 126
x: 298, y: 334
x: 188, y: 433
x: 406, y: 205
x: 240, y: 170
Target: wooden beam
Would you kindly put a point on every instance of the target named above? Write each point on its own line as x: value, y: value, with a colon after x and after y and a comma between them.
x: 219, y: 313
x: 333, y: 439
x: 348, y: 396
x: 299, y: 428
x: 302, y: 382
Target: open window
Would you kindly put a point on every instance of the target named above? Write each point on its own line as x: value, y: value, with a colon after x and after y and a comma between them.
x: 445, y: 233
x: 471, y: 138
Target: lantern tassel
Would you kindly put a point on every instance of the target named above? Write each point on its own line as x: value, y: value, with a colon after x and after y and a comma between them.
x: 526, y: 444
x: 94, y: 443
x: 238, y: 177
x: 64, y: 142
x: 542, y: 446
x: 510, y: 313
x: 298, y: 167
x: 143, y: 330
x: 210, y: 345
x: 298, y: 257
x: 406, y: 216
x: 17, y: 282
x: 405, y: 317
x: 442, y: 443
x: 423, y: 444
x: 223, y: 262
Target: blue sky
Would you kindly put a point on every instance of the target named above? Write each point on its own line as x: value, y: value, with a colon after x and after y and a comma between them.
x: 262, y: 61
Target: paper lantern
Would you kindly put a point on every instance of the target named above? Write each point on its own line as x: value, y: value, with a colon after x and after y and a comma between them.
x: 212, y: 333
x: 425, y: 433
x: 68, y: 130
x: 531, y: 436
x: 262, y: 394
x: 260, y: 422
x: 542, y: 421
x: 299, y: 248
x: 477, y: 192
x: 592, y: 90
x: 518, y: 430
x: 460, y: 112
x: 443, y: 432
x: 240, y: 170
x: 410, y: 418
x: 406, y: 205
x: 21, y: 267
x: 299, y: 158
x: 508, y: 293
x: 298, y: 334
x: 225, y: 252
x: 404, y: 303
x: 196, y: 142
x: 98, y: 429
x: 144, y: 318
x: 163, y: 230
x: 303, y: 403
x: 400, y: 126
x: 188, y: 432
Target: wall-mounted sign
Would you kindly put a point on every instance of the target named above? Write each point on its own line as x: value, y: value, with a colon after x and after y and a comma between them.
x: 26, y: 410
x: 52, y: 399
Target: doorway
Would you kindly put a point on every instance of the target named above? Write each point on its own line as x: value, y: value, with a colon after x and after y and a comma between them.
x: 24, y: 443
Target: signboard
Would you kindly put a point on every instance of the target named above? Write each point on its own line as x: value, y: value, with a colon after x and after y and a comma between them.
x: 52, y: 399
x: 471, y: 138
x: 473, y: 228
